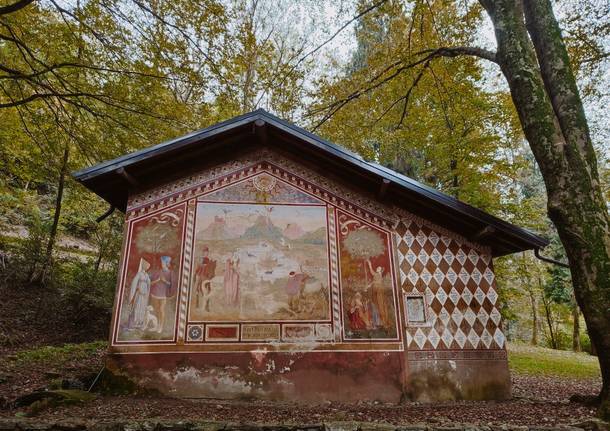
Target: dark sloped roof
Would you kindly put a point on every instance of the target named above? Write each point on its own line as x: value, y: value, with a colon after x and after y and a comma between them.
x: 113, y: 179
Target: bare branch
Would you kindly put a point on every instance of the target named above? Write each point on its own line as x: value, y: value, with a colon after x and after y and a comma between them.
x: 378, y: 80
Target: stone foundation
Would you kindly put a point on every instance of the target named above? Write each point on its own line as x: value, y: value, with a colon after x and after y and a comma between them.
x: 309, y: 377
x: 314, y: 377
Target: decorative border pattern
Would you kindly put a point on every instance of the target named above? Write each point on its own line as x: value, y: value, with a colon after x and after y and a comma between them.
x: 186, y: 274
x: 334, y: 271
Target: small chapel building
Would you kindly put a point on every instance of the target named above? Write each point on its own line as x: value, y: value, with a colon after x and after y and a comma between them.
x: 260, y: 260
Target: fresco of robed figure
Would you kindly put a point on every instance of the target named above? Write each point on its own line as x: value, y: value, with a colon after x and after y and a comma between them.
x: 150, y: 280
x: 260, y: 262
x: 369, y: 306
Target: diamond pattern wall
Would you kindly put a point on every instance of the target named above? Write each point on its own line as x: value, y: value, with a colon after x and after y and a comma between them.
x: 459, y: 286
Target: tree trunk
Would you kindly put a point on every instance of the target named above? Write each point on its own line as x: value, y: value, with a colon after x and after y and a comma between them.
x: 543, y: 89
x: 54, y: 227
x: 535, y: 324
x: 549, y: 317
x: 576, y: 329
x: 575, y: 326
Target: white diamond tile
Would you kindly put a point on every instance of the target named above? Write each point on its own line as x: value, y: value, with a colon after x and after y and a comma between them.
x: 486, y: 338
x: 454, y: 295
x: 474, y: 338
x: 419, y: 338
x: 429, y: 295
x: 434, y: 338
x: 492, y: 295
x: 412, y: 276
x: 447, y: 338
x: 433, y: 238
x: 483, y: 316
x: 495, y: 316
x: 426, y: 276
x: 441, y: 295
x: 467, y: 296
x: 436, y: 257
x: 457, y: 316
x: 411, y: 257
x: 438, y: 276
x: 444, y: 316
x: 448, y: 256
x: 461, y: 256
x: 476, y: 276
x: 421, y: 238
x: 469, y: 316
x: 479, y: 295
x: 460, y: 338
x: 408, y: 238
x: 489, y: 275
x: 451, y: 276
x: 473, y: 256
x: 423, y: 256
x: 446, y: 240
x: 464, y: 276
x: 499, y: 337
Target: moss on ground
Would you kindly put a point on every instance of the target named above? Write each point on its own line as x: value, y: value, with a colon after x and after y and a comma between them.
x: 57, y: 355
x: 526, y: 359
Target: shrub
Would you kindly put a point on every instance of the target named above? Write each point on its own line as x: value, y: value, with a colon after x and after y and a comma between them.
x: 585, y: 343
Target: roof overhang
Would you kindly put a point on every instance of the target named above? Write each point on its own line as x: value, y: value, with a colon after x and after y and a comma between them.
x: 113, y: 180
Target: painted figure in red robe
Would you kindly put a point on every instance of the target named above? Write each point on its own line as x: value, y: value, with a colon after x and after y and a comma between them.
x: 204, y: 273
x: 358, y: 316
x: 231, y: 280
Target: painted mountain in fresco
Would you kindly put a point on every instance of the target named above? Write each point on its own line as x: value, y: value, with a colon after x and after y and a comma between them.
x: 317, y: 237
x: 293, y: 231
x: 263, y: 228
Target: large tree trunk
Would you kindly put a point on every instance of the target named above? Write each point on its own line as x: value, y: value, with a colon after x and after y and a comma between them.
x: 544, y: 92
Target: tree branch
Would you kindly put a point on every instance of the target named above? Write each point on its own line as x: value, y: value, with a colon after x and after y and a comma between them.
x: 378, y: 80
x: 14, y: 7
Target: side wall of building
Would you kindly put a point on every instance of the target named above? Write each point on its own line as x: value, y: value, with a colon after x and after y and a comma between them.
x: 261, y: 278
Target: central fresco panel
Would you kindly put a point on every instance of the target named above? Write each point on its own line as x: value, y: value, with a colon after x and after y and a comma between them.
x: 260, y: 262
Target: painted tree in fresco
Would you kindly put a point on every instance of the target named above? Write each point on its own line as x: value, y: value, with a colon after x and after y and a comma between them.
x: 364, y: 244
x: 156, y: 238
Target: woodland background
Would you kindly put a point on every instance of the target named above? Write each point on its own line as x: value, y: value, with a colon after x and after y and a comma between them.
x: 83, y: 81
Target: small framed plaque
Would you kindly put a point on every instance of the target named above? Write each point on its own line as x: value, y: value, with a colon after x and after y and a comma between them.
x: 415, y: 306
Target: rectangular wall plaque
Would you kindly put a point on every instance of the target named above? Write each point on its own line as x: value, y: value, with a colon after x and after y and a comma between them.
x: 260, y: 332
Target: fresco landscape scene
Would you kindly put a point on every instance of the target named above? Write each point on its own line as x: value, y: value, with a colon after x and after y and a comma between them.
x: 260, y: 262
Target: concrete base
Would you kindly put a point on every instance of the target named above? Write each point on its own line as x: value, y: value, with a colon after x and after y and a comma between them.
x: 450, y: 380
x: 311, y: 377
x: 315, y: 377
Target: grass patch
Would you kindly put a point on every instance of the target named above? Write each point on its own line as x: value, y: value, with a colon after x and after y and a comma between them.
x: 57, y: 355
x: 526, y: 359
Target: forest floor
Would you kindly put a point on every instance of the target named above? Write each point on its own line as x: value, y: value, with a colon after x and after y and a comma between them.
x: 543, y: 381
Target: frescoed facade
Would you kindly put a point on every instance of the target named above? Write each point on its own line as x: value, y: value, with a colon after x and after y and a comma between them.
x: 260, y: 275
